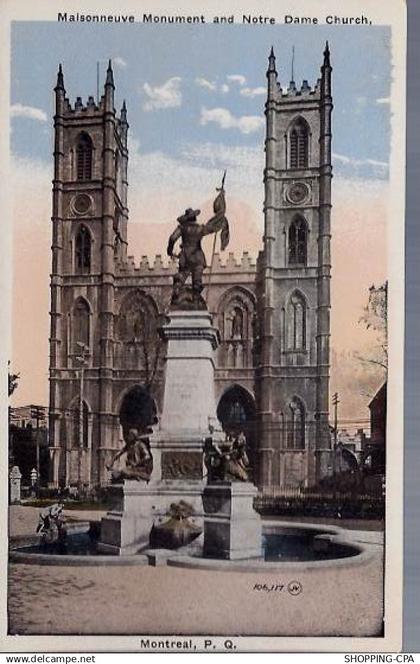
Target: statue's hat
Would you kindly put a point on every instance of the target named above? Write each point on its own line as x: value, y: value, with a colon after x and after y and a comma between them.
x: 190, y: 215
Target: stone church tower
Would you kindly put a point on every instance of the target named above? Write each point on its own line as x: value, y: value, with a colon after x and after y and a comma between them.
x: 89, y: 212
x: 106, y: 357
x: 294, y: 283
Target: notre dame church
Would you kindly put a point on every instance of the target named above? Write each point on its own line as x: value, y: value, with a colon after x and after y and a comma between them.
x: 106, y: 356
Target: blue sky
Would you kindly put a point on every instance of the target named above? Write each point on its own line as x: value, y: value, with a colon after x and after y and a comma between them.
x: 195, y: 98
x: 188, y: 69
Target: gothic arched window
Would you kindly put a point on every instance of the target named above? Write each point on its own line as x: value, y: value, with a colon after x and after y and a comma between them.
x: 296, y: 425
x: 299, y: 145
x: 84, y: 157
x: 236, y: 413
x: 83, y: 250
x: 81, y: 324
x: 137, y: 324
x: 297, y: 322
x: 139, y: 344
x: 298, y: 240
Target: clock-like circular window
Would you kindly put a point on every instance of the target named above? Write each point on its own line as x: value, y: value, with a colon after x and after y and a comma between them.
x: 82, y: 204
x: 297, y: 193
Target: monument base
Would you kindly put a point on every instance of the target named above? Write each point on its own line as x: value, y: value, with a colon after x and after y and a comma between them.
x: 232, y: 528
x: 137, y: 507
x: 189, y: 407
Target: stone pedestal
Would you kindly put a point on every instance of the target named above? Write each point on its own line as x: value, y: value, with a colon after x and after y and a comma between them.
x: 189, y: 398
x: 137, y: 506
x: 126, y: 527
x: 189, y: 406
x: 232, y: 528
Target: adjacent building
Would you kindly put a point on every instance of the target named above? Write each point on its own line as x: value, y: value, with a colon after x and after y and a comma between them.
x: 28, y: 441
x: 375, y: 447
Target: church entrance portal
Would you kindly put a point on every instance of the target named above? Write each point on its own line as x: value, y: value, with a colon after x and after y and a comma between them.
x: 236, y: 412
x: 138, y: 410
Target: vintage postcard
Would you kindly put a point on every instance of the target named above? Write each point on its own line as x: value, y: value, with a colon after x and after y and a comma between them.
x: 203, y: 284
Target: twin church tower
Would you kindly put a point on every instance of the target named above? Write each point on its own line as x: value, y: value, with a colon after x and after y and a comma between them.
x: 106, y: 357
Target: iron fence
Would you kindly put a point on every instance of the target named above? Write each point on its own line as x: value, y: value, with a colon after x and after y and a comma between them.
x: 298, y: 501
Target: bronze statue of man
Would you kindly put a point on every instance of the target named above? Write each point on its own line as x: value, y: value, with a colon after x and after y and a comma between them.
x: 191, y: 259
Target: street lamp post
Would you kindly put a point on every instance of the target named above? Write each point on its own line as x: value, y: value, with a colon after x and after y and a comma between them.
x: 37, y: 413
x: 335, y: 401
x: 83, y: 361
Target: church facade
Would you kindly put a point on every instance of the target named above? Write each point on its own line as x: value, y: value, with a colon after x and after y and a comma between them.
x: 106, y: 356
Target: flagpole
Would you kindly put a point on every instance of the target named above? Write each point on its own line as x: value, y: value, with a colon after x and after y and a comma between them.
x: 211, y: 264
x: 214, y: 243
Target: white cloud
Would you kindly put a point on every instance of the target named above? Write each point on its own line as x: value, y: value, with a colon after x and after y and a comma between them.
x: 195, y: 172
x: 20, y: 111
x: 375, y: 162
x: 253, y: 92
x: 362, y: 167
x: 167, y: 95
x: 119, y: 62
x: 342, y: 158
x: 247, y: 124
x: 212, y: 86
x: 359, y: 162
x: 383, y: 100
x: 204, y: 83
x: 244, y: 165
x: 237, y: 78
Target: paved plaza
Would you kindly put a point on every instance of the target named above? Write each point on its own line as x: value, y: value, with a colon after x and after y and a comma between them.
x: 166, y: 600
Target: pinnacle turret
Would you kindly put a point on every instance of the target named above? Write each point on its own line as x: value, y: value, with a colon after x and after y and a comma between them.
x: 109, y: 75
x: 272, y: 75
x: 327, y: 55
x: 124, y: 113
x: 326, y: 73
x: 60, y: 79
x: 271, y: 62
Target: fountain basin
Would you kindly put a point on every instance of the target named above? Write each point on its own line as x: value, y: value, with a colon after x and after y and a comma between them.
x: 283, y: 545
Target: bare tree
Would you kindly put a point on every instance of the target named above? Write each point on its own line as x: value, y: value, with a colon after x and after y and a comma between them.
x: 13, y: 380
x: 375, y: 317
x: 151, y: 346
x: 138, y: 330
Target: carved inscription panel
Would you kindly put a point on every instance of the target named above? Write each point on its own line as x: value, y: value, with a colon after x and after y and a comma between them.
x: 182, y: 465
